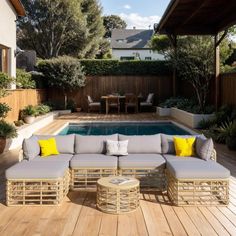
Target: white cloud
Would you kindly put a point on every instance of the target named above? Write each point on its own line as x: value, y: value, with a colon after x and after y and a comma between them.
x: 126, y: 6
x: 138, y: 21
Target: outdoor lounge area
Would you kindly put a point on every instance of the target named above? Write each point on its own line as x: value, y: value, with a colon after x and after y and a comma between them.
x: 157, y: 213
x: 117, y: 118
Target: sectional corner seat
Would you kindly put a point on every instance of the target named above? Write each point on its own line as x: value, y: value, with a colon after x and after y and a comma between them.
x: 151, y: 159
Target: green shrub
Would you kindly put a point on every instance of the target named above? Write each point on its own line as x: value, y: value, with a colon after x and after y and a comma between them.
x: 116, y: 67
x: 55, y: 104
x: 206, y: 124
x: 226, y: 131
x: 24, y: 80
x: 65, y: 73
x: 186, y: 104
x: 4, y: 109
x: 7, y: 130
x: 5, y: 82
x: 171, y: 102
x: 19, y: 123
x: 71, y: 105
x: 29, y: 110
x: 42, y: 109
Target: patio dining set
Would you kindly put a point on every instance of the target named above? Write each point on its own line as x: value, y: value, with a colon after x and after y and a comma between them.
x: 120, y: 103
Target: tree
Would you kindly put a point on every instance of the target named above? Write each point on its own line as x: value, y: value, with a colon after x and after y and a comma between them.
x: 92, y: 11
x: 62, y: 27
x: 113, y: 22
x: 51, y: 26
x: 64, y: 73
x: 193, y: 60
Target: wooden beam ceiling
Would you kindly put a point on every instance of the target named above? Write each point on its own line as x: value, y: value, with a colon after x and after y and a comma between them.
x: 186, y: 17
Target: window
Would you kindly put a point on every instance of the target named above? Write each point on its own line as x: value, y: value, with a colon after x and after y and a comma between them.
x: 4, y: 64
x: 126, y: 58
x: 148, y: 58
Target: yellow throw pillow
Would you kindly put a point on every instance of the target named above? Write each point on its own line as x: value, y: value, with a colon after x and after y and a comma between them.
x: 184, y: 146
x: 48, y: 147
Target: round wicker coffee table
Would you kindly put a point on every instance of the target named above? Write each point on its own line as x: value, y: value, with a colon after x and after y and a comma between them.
x: 117, y: 198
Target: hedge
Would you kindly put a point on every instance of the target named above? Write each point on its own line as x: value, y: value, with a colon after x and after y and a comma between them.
x: 115, y: 67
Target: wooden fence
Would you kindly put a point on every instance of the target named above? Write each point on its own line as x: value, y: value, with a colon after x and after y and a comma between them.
x: 18, y: 99
x: 96, y: 86
x: 228, y: 89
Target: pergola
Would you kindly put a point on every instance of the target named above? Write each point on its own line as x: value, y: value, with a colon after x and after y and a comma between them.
x: 199, y: 17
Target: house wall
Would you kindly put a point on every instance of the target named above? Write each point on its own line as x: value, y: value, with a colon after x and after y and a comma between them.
x: 8, y: 33
x: 118, y: 53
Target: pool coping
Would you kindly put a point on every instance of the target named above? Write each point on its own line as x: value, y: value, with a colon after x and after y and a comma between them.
x: 190, y: 131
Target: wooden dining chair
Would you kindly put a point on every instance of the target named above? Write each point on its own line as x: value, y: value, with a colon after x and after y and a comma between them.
x: 113, y: 102
x: 131, y: 101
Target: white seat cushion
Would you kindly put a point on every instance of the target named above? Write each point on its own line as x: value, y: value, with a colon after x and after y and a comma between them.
x: 141, y: 161
x: 37, y: 170
x: 93, y: 161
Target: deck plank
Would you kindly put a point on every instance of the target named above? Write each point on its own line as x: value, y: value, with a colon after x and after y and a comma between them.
x: 90, y: 218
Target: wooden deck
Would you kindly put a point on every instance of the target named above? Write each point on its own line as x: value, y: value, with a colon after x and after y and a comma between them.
x: 156, y: 216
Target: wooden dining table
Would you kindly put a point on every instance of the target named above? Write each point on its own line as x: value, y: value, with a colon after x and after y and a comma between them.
x: 106, y: 101
x: 121, y: 97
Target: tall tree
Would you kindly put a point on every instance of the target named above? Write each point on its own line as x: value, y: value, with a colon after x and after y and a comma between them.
x: 113, y: 22
x: 53, y: 28
x: 194, y: 60
x: 92, y: 11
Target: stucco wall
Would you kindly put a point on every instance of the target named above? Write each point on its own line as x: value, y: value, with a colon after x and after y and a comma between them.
x: 117, y: 53
x: 8, y: 32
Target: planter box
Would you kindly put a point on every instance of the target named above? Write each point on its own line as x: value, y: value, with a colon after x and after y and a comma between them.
x: 161, y: 111
x: 27, y: 130
x: 189, y: 119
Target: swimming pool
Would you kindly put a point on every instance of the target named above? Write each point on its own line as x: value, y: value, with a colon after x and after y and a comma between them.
x: 132, y: 128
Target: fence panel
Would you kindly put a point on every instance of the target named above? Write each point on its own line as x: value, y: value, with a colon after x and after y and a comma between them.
x: 228, y: 89
x: 18, y: 99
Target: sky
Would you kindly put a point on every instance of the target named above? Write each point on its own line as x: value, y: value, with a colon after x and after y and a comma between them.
x: 141, y: 14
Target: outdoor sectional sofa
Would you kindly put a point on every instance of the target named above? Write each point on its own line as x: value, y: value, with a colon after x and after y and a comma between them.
x: 82, y: 161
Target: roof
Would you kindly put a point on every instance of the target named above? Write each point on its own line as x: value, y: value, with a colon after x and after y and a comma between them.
x: 20, y: 10
x: 130, y: 38
x: 192, y: 17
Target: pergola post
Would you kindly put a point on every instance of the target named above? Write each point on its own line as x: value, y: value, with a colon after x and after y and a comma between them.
x: 217, y: 70
x: 217, y: 42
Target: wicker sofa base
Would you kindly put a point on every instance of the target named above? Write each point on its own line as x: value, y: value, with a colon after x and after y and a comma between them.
x: 82, y: 179
x: 188, y: 192
x: 37, y: 191
x: 149, y: 178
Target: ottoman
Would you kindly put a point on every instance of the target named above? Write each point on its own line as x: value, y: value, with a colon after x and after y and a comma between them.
x: 197, y: 182
x: 37, y: 183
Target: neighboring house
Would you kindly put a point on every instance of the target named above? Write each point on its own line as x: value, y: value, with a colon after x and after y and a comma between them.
x: 9, y: 11
x: 129, y: 44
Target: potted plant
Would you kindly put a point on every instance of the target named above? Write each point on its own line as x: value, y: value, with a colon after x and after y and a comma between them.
x: 29, y: 113
x: 4, y: 109
x: 7, y: 130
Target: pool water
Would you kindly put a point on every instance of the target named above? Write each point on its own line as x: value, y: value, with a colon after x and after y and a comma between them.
x: 123, y: 128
